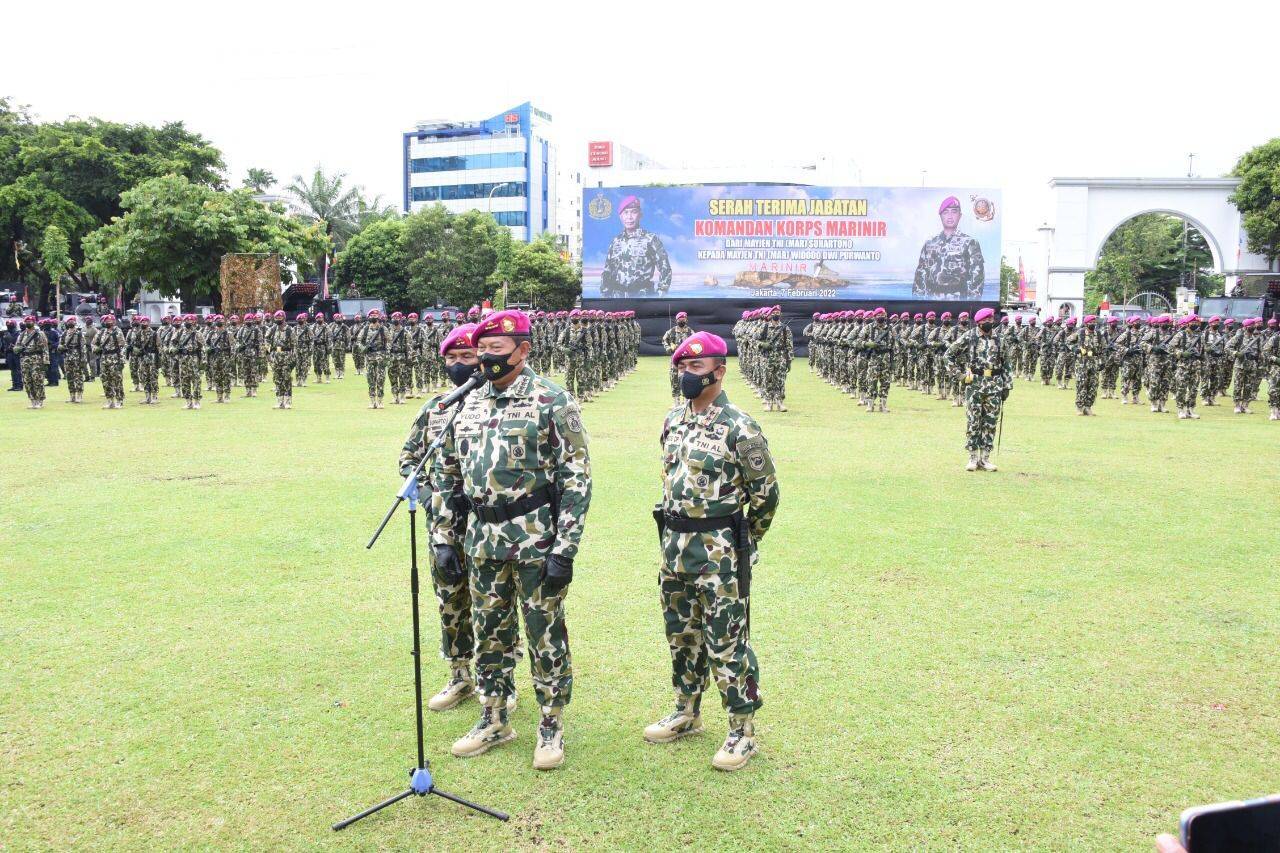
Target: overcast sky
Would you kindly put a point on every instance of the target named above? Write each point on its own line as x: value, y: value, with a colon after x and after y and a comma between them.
x: 995, y: 94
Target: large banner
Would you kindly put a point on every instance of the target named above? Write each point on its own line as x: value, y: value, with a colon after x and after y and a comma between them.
x: 746, y: 241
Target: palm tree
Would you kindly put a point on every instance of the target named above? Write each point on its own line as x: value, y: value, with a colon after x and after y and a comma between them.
x: 326, y: 200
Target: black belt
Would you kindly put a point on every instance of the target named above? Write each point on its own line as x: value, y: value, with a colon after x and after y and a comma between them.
x: 498, y: 513
x: 683, y: 524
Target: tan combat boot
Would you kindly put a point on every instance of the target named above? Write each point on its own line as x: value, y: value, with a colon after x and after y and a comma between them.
x: 549, y: 753
x: 973, y: 461
x: 739, y: 746
x: 985, y: 463
x: 288, y: 401
x: 373, y: 402
x: 459, y: 687
x: 782, y: 407
x: 490, y: 730
x: 682, y: 722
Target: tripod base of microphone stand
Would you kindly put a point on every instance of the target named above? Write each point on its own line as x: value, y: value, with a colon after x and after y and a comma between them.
x: 421, y: 784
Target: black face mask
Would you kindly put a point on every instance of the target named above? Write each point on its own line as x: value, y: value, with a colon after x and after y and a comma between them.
x: 986, y: 327
x: 693, y: 384
x: 680, y: 322
x: 496, y: 366
x: 460, y: 373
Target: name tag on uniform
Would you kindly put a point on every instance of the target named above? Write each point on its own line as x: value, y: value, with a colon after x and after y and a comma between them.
x: 713, y: 440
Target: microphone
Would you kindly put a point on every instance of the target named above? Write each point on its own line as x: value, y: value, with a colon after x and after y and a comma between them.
x: 477, y: 379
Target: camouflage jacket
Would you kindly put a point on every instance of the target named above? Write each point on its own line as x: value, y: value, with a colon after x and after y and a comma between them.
x: 505, y: 445
x: 188, y: 342
x: 675, y: 336
x: 147, y: 344
x: 1155, y: 344
x: 339, y: 336
x: 282, y: 338
x: 950, y: 266
x: 32, y: 343
x: 249, y: 341
x: 426, y: 429
x: 714, y: 463
x: 304, y: 336
x: 1244, y: 347
x: 632, y: 262
x: 1187, y: 346
x: 776, y: 339
x: 398, y: 340
x: 320, y: 337
x: 1271, y: 354
x: 1087, y: 345
x: 218, y: 342
x: 109, y: 343
x: 373, y: 338
x: 985, y: 361
x: 72, y: 345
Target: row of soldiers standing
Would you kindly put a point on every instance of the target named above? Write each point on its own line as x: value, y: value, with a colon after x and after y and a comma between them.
x: 594, y: 348
x: 765, y: 350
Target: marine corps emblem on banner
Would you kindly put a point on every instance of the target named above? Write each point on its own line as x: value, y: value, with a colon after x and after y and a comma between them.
x: 983, y: 209
x: 599, y: 207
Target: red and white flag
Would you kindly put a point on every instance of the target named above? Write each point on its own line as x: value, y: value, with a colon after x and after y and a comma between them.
x: 324, y: 282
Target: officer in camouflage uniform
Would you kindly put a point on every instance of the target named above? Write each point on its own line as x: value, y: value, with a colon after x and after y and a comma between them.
x: 218, y: 347
x: 371, y: 342
x: 188, y: 344
x: 398, y: 358
x: 282, y: 345
x: 1086, y: 347
x: 1271, y: 365
x: 428, y: 367
x: 413, y: 368
x: 1215, y: 353
x: 109, y: 346
x: 878, y: 345
x: 1031, y: 350
x: 1110, y: 362
x: 453, y: 591
x: 951, y: 264
x: 987, y: 382
x: 573, y: 344
x: 1245, y: 351
x: 74, y: 359
x: 1127, y: 349
x: 1155, y: 348
x: 946, y: 337
x: 1048, y: 349
x: 1186, y: 348
x: 1065, y: 365
x: 357, y: 354
x: 635, y: 258
x: 518, y: 451
x: 91, y: 365
x: 148, y: 346
x: 305, y: 338
x: 32, y: 350
x: 249, y: 344
x: 339, y: 344
x: 169, y: 325
x: 320, y: 339
x: 776, y: 348
x: 671, y: 339
x: 719, y: 497
x: 131, y: 352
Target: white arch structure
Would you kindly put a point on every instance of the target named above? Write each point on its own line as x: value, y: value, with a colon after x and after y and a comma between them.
x: 1088, y: 210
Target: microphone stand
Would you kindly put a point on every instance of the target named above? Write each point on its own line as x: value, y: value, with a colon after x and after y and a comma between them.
x: 420, y: 780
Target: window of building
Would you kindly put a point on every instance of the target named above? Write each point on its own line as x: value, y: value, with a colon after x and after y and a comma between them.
x: 454, y: 192
x: 492, y: 160
x: 511, y: 217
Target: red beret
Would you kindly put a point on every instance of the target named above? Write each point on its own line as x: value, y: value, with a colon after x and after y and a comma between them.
x: 879, y: 312
x: 629, y: 201
x: 503, y: 324
x: 983, y: 314
x: 459, y: 338
x: 700, y: 345
x: 681, y: 314
x: 949, y: 201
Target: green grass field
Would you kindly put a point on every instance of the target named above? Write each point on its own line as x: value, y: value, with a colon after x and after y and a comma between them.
x: 196, y: 650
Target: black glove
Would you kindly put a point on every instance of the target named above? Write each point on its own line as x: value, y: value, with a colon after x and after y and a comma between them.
x: 448, y: 564
x: 557, y: 573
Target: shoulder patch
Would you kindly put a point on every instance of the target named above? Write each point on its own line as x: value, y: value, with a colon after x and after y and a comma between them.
x: 754, y: 455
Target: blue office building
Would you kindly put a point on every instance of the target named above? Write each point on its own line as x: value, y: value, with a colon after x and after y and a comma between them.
x: 504, y: 165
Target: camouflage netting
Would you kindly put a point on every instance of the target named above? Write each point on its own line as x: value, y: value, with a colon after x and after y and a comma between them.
x: 250, y: 283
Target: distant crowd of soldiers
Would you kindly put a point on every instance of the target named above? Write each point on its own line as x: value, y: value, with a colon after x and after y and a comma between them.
x: 197, y: 353
x: 765, y: 349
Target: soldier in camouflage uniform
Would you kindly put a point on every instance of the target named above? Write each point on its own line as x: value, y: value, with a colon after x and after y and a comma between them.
x: 1127, y: 349
x: 1245, y: 351
x: 74, y: 359
x: 636, y: 263
x: 931, y: 349
x: 218, y: 349
x: 1086, y: 347
x: 573, y: 343
x: 233, y: 359
x: 32, y: 350
x: 878, y: 345
x: 339, y: 344
x: 428, y: 367
x: 671, y: 339
x: 398, y: 358
x: 777, y: 348
x: 453, y: 590
x: 1271, y: 366
x: 372, y: 341
x: 1065, y: 365
x: 413, y: 365
x: 189, y: 347
x: 132, y: 353
x: 946, y: 337
x: 282, y: 345
x: 1155, y: 348
x: 1186, y: 348
x: 305, y: 343
x: 109, y: 346
x: 719, y: 497
x: 91, y: 364
x: 1048, y: 349
x: 248, y: 344
x: 168, y: 360
x: 951, y: 265
x: 1110, y: 362
x: 357, y: 354
x: 987, y: 382
x: 320, y: 339
x: 518, y: 451
x: 1215, y: 353
x: 1031, y: 350
x: 148, y: 347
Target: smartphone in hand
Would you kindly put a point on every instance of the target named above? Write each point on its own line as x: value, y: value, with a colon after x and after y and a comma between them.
x: 1235, y: 827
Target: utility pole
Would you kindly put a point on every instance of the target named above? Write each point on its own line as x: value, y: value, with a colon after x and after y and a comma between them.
x: 1191, y: 159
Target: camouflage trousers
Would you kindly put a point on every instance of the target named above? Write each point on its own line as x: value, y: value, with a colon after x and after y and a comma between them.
x: 1130, y: 377
x: 398, y: 373
x: 774, y: 378
x: 134, y: 371
x: 320, y: 362
x: 982, y: 413
x: 358, y: 357
x: 1186, y: 384
x: 1047, y: 361
x: 1086, y: 385
x: 1032, y: 358
x: 302, y: 364
x: 249, y: 374
x: 1244, y: 383
x: 457, y: 639
x: 924, y: 371
x: 879, y: 370
x: 220, y: 372
x: 113, y: 378
x: 1158, y: 376
x: 497, y: 588
x: 74, y: 368
x: 1110, y: 372
x: 282, y: 373
x: 673, y: 377
x: 1273, y: 387
x: 705, y: 621
x: 339, y: 361
x: 170, y: 366
x: 33, y: 378
x: 189, y: 377
x: 1210, y: 376
x: 149, y: 379
x: 375, y: 366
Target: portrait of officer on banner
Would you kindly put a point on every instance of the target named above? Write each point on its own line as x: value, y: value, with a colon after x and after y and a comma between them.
x: 637, y: 262
x: 951, y: 264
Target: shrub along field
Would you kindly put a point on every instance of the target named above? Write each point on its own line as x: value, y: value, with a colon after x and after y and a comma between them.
x: 198, y: 650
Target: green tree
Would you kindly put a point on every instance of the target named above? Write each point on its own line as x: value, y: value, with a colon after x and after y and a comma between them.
x: 1151, y: 252
x: 375, y: 263
x: 55, y: 254
x: 451, y: 257
x: 258, y: 180
x: 174, y: 233
x: 539, y: 275
x: 1008, y: 281
x: 1258, y: 197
